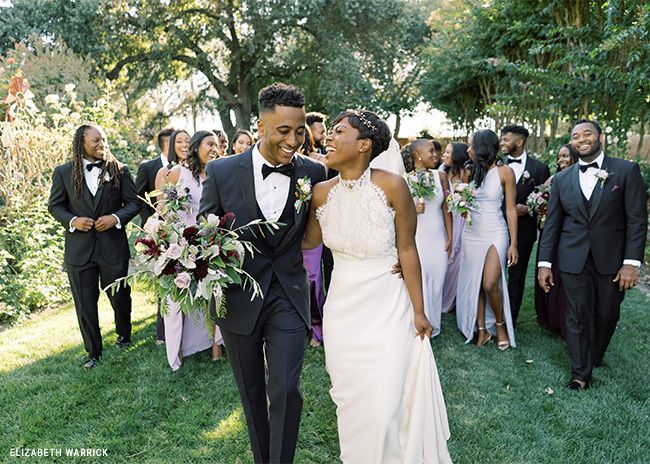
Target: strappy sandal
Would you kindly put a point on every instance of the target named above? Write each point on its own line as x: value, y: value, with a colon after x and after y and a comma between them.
x: 504, y: 344
x: 478, y: 337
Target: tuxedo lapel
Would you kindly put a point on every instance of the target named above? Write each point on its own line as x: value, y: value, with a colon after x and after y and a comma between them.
x: 597, y: 194
x: 99, y: 194
x: 247, y: 183
x: 577, y: 191
x: 299, y: 171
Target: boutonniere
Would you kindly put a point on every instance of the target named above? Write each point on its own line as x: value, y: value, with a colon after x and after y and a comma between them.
x: 303, y: 192
x: 107, y: 177
x: 526, y: 175
x: 602, y: 176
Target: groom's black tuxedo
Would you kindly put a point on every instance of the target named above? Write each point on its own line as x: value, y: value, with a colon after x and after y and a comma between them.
x: 274, y: 326
x: 93, y: 256
x: 535, y: 173
x: 591, y: 238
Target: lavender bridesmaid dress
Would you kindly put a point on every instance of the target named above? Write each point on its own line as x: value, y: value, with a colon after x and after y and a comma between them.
x: 453, y: 265
x: 312, y: 260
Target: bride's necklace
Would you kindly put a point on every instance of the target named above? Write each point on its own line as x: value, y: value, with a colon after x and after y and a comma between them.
x: 352, y: 184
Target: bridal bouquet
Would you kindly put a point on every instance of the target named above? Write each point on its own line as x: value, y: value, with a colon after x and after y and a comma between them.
x: 192, y: 264
x: 537, y: 202
x: 422, y: 184
x: 463, y: 201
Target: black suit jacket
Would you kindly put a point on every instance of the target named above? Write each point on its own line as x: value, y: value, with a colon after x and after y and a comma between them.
x: 538, y: 174
x: 145, y: 181
x: 230, y: 187
x: 122, y: 201
x: 613, y: 229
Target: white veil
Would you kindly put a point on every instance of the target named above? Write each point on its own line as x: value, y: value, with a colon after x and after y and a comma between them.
x: 390, y: 160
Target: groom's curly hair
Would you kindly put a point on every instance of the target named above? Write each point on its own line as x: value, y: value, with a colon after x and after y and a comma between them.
x: 370, y: 126
x: 279, y: 94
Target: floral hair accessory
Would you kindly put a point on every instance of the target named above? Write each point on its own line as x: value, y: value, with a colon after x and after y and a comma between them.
x: 364, y: 120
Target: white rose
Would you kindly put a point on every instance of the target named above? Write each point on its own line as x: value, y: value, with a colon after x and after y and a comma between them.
x: 150, y: 148
x: 69, y: 88
x: 52, y: 99
x: 122, y: 144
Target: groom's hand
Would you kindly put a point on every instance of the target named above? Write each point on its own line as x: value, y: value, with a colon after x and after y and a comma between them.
x: 545, y: 279
x: 83, y: 224
x: 105, y: 222
x: 397, y: 269
x: 626, y: 277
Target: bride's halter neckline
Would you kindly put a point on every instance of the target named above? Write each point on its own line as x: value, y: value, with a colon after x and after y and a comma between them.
x: 356, y: 183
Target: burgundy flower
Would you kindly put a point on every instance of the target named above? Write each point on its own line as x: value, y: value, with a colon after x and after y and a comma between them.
x: 170, y: 268
x: 152, y: 248
x: 190, y: 233
x: 201, y: 270
x: 229, y: 216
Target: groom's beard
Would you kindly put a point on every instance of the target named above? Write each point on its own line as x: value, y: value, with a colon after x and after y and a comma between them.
x: 596, y: 149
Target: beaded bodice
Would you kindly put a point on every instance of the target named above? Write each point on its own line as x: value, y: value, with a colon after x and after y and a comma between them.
x: 357, y: 221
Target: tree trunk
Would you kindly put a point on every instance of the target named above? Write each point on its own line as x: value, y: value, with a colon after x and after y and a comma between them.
x: 398, y: 124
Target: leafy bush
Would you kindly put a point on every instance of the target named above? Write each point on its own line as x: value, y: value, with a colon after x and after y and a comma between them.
x: 31, y: 255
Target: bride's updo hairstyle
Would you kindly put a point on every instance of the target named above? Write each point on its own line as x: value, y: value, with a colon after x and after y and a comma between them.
x: 486, y: 151
x: 370, y: 126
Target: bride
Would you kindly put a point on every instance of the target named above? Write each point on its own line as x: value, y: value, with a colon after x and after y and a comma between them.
x: 385, y: 385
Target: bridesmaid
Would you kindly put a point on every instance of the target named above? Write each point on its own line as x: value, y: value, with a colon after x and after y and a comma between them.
x: 433, y: 235
x: 185, y: 335
x: 482, y: 298
x: 312, y: 262
x: 454, y: 160
x: 242, y: 141
x: 551, y: 307
x: 179, y: 143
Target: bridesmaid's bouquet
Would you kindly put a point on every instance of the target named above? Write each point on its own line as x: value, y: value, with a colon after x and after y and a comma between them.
x: 192, y: 264
x: 462, y: 201
x: 422, y: 184
x: 537, y: 202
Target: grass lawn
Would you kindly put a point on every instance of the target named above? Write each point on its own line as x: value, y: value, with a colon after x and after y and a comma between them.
x: 508, y: 407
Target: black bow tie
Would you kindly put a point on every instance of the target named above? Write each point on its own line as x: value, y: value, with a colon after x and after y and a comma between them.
x: 285, y: 169
x: 584, y: 167
x: 97, y: 165
x: 513, y: 160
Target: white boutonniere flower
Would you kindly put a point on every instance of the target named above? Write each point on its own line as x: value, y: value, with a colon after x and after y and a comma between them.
x: 107, y: 177
x: 602, y: 176
x: 526, y: 175
x: 303, y: 192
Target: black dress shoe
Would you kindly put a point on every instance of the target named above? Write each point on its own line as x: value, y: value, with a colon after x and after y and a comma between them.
x: 575, y: 385
x: 122, y: 343
x: 92, y: 362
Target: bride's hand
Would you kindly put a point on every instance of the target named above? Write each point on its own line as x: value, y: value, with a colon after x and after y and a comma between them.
x: 422, y: 325
x: 513, y: 255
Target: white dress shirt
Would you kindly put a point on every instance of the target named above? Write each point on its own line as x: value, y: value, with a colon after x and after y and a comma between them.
x: 518, y: 167
x: 92, y: 181
x: 164, y: 160
x: 271, y: 193
x: 588, y: 181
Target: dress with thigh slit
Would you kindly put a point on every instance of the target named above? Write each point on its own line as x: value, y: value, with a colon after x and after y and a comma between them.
x: 488, y: 229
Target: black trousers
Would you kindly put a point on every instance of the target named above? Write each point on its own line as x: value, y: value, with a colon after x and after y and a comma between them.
x: 593, y: 309
x: 85, y: 284
x: 280, y: 336
x: 517, y: 279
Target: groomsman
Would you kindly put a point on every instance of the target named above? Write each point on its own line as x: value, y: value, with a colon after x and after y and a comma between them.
x: 596, y: 227
x: 529, y: 173
x: 146, y: 178
x: 93, y: 197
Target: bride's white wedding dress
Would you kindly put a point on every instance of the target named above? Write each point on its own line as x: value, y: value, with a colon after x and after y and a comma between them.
x: 385, y: 385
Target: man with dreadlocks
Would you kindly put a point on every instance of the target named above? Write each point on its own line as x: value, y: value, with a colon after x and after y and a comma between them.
x: 94, y: 197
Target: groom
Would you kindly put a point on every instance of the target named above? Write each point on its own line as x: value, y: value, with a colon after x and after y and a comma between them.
x: 261, y: 184
x: 596, y: 228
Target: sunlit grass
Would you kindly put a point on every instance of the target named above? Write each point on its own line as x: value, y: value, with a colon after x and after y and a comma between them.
x: 508, y: 407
